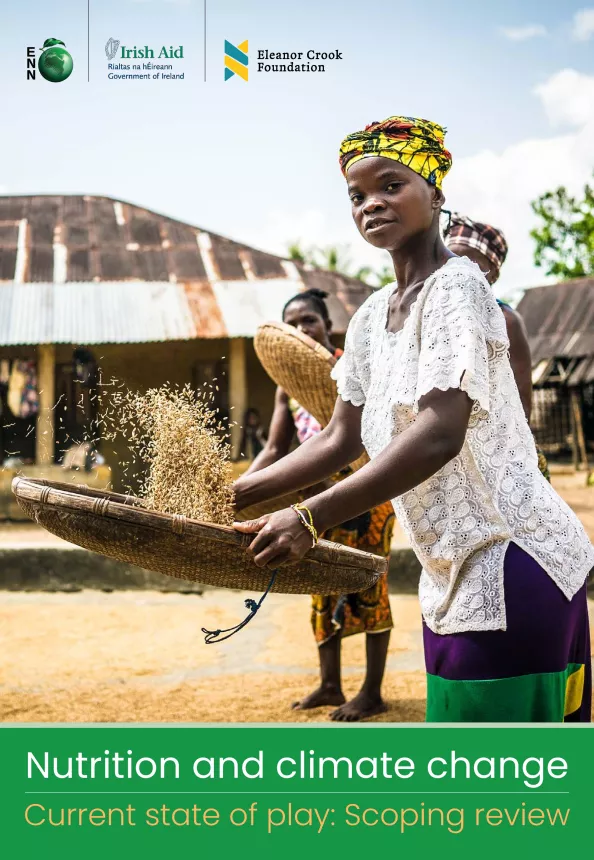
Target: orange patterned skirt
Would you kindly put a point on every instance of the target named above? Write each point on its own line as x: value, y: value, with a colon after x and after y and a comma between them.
x: 367, y: 611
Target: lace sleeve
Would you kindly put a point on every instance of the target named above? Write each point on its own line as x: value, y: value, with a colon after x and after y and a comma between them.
x: 462, y: 329
x: 349, y: 372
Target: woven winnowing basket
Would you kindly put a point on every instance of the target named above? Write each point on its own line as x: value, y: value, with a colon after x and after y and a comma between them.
x: 269, y: 507
x: 121, y: 527
x: 301, y: 366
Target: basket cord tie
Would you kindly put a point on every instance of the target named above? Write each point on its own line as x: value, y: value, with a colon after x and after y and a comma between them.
x: 212, y: 637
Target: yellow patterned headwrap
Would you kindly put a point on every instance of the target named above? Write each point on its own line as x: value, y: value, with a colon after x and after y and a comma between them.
x: 416, y: 143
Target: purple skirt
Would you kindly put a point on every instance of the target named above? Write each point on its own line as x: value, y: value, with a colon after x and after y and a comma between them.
x: 538, y: 670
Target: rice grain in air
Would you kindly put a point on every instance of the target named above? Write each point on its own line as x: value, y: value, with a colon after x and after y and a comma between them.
x: 185, y: 450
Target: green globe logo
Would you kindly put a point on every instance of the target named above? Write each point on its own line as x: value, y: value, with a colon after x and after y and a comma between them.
x: 55, y: 63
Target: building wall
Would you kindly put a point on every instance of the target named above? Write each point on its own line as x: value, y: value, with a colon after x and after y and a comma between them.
x: 144, y: 366
x: 261, y: 388
x: 18, y: 435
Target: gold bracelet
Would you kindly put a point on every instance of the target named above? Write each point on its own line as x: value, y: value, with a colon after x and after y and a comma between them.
x: 302, y: 507
x: 308, y: 525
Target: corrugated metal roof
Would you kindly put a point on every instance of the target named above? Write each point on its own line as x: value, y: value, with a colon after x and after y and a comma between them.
x: 560, y: 319
x: 85, y: 239
x: 137, y: 311
x: 94, y: 313
x: 255, y: 302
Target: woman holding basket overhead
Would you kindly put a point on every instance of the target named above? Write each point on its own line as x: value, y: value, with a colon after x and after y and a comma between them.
x: 334, y: 618
x: 426, y: 388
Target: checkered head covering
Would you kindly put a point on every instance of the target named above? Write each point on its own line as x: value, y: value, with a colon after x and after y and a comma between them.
x: 488, y: 240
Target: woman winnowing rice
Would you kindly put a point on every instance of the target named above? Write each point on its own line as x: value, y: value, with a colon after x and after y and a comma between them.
x: 334, y: 618
x: 426, y: 388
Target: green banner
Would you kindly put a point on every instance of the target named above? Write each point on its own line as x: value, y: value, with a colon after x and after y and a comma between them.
x: 111, y: 791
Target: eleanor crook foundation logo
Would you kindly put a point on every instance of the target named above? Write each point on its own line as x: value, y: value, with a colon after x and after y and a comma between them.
x: 111, y: 48
x: 236, y: 60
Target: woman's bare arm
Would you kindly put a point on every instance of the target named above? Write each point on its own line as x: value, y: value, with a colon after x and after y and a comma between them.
x: 519, y: 357
x: 338, y: 445
x: 280, y: 435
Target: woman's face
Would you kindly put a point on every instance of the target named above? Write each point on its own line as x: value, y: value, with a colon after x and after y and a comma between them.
x: 391, y: 204
x: 306, y: 319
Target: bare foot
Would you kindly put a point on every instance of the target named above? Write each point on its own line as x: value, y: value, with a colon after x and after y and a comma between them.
x: 320, y: 697
x: 362, y: 707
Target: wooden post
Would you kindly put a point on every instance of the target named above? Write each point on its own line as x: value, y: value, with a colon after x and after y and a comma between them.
x: 574, y: 443
x: 580, y: 440
x: 46, y: 364
x: 237, y: 392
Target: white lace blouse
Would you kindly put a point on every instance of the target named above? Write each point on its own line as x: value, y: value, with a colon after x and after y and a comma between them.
x: 462, y: 519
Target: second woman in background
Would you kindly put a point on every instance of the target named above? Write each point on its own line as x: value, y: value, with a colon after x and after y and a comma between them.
x: 334, y: 618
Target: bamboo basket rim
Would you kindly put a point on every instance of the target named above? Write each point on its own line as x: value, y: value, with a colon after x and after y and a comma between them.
x: 302, y: 370
x: 126, y: 508
x: 292, y: 332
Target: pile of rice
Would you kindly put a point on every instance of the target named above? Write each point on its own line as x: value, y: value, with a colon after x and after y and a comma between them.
x: 185, y: 451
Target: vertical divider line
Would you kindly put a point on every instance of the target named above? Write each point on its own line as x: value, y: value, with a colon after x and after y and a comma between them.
x: 205, y: 41
x: 88, y: 40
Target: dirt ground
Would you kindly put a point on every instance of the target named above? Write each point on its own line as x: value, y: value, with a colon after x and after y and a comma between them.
x: 130, y: 656
x: 141, y: 657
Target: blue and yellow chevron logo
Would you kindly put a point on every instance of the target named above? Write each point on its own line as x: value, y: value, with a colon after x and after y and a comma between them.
x: 236, y: 60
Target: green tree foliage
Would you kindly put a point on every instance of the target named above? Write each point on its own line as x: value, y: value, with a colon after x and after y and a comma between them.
x: 384, y: 276
x: 333, y: 259
x: 298, y: 253
x: 565, y: 235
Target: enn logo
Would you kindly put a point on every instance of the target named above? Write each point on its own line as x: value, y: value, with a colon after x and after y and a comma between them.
x: 236, y: 60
